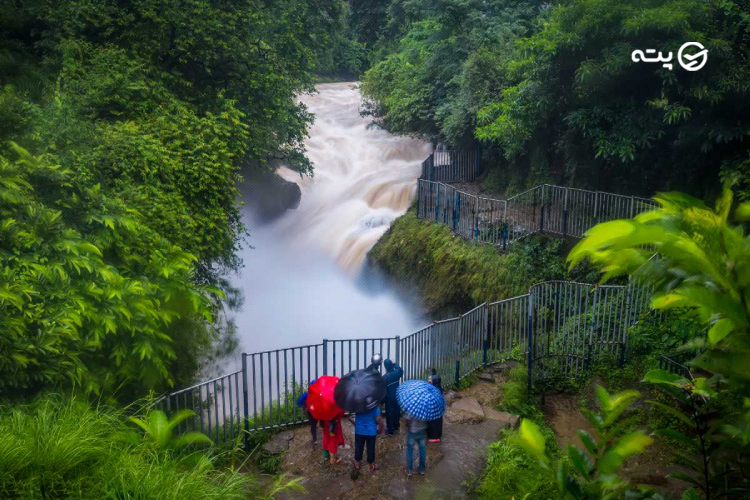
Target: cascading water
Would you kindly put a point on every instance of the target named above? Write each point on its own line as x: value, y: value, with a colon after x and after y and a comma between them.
x: 302, y: 281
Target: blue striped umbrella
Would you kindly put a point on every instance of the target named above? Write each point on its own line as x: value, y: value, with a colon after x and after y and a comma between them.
x: 420, y: 399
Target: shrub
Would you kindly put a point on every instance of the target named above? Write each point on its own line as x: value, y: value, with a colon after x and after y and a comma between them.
x: 67, y: 449
x: 511, y: 473
x: 452, y: 271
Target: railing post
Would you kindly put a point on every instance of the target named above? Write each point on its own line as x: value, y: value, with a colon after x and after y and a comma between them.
x: 456, y: 202
x: 437, y: 205
x: 419, y: 198
x: 596, y: 205
x: 476, y: 218
x: 504, y: 227
x: 632, y: 207
x: 541, y: 217
x: 530, y: 341
x: 485, y: 346
x: 245, y: 401
x: 458, y: 373
x: 565, y: 214
x: 594, y: 321
x: 325, y: 356
x: 627, y: 326
x: 397, y: 354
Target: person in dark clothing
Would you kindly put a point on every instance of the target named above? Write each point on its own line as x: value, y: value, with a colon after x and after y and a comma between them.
x: 435, y: 427
x: 435, y: 380
x: 393, y: 374
x: 375, y: 362
x: 301, y: 402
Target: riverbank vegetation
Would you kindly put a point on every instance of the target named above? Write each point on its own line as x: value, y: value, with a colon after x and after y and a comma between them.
x: 455, y: 275
x: 124, y: 129
x: 65, y: 448
x: 698, y: 412
x: 551, y: 88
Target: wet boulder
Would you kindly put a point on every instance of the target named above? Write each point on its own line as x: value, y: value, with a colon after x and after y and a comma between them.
x: 269, y: 196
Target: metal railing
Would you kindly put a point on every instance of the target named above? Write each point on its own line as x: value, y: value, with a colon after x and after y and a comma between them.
x: 552, y: 209
x: 559, y: 327
x: 452, y: 166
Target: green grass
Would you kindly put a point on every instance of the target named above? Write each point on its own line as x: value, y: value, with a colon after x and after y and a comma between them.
x: 512, y: 473
x: 66, y: 449
x: 450, y: 271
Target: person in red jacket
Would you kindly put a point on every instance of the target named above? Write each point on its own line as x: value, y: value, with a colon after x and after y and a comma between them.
x: 333, y: 437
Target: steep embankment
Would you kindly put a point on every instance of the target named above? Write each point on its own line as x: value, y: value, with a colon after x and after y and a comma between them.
x: 454, y: 274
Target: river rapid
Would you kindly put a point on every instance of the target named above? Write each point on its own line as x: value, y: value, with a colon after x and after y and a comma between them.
x: 305, y: 278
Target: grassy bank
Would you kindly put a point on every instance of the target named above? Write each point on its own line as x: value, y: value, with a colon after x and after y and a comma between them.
x: 63, y: 448
x: 452, y: 273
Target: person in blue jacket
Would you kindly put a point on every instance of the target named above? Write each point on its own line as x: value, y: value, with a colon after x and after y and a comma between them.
x: 393, y: 374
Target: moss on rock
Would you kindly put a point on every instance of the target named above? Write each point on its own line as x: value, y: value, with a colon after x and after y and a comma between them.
x: 451, y: 272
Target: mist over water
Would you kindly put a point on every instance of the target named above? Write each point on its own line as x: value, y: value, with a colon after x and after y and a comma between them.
x: 303, y: 280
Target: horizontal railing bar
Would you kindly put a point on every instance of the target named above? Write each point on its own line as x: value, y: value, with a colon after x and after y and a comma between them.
x: 508, y: 300
x: 274, y: 351
x: 201, y: 384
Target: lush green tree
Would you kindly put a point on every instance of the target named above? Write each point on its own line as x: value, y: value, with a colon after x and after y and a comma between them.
x: 140, y: 117
x: 423, y: 84
x: 703, y: 264
x: 553, y: 89
x: 602, y: 120
x: 89, y: 295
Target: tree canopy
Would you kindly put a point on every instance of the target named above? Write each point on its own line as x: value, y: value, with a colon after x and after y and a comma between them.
x: 124, y: 129
x: 552, y: 89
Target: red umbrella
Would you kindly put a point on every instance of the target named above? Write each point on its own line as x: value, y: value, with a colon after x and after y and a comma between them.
x: 320, y: 398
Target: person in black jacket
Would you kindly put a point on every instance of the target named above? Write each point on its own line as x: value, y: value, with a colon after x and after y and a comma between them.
x: 375, y: 362
x: 435, y: 427
x: 393, y: 374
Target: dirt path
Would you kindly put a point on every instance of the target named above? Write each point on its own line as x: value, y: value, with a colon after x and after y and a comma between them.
x: 451, y: 464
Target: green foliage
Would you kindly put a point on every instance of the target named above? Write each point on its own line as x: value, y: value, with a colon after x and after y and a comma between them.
x: 69, y: 450
x: 139, y: 120
x: 512, y: 473
x: 437, y: 62
x: 553, y: 88
x: 516, y: 398
x: 657, y: 334
x: 562, y: 78
x: 450, y: 270
x: 593, y: 473
x: 159, y: 431
x: 715, y: 450
x: 89, y: 295
x: 702, y: 266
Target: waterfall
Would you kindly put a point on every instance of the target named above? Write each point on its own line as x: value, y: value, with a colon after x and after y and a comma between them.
x: 303, y: 279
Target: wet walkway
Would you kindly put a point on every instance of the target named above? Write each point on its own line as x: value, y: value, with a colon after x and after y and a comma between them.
x: 452, y: 465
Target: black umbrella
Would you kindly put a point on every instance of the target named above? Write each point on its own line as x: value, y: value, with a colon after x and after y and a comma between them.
x: 360, y: 390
